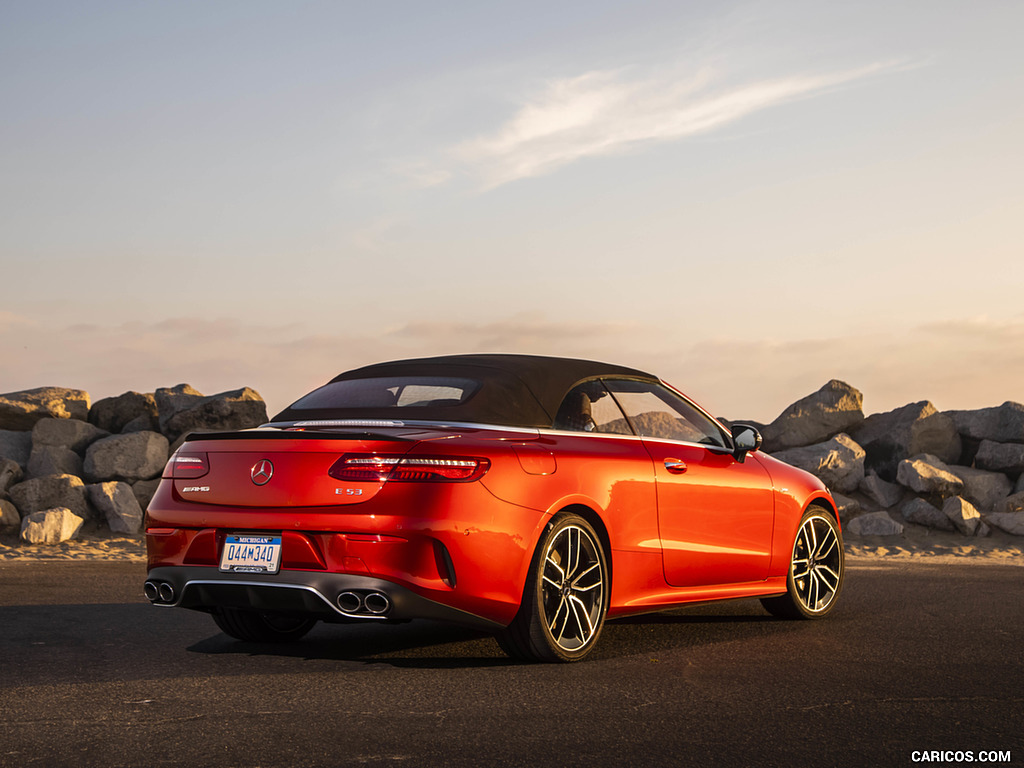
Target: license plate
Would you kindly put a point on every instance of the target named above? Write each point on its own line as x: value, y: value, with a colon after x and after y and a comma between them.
x: 245, y: 553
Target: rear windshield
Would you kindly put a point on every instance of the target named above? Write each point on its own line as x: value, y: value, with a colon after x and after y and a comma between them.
x: 390, y: 392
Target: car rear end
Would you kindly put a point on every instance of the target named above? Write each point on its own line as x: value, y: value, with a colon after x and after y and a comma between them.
x: 338, y: 525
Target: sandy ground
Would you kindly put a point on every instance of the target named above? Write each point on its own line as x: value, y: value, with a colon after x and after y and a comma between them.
x: 915, y: 544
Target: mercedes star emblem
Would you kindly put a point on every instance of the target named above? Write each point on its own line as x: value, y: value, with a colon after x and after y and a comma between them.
x: 262, y: 471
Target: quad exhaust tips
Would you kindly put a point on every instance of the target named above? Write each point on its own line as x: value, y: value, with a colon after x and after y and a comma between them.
x: 375, y: 604
x: 158, y: 592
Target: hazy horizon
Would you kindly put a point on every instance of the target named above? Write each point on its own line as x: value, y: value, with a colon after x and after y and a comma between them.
x: 745, y: 199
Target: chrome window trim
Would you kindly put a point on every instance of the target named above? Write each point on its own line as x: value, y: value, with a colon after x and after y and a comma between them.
x: 534, y: 431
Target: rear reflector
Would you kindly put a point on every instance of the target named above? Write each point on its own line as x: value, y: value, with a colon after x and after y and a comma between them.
x: 377, y: 468
x: 186, y: 466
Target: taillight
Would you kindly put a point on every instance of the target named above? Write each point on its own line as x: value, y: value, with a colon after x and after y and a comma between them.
x: 186, y: 466
x: 377, y: 468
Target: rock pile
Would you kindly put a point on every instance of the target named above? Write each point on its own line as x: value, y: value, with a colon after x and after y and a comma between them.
x: 947, y: 470
x: 64, y: 463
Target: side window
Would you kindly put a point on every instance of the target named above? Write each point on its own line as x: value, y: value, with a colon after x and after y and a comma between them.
x: 589, y: 408
x: 658, y: 412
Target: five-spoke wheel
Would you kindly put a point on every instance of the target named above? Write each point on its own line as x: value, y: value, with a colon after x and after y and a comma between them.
x: 816, y: 568
x: 566, y: 595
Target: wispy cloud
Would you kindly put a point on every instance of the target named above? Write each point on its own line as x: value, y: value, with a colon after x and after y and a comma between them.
x: 612, y: 111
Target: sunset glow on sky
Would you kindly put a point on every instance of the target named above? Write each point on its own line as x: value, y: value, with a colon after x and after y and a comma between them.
x: 748, y: 199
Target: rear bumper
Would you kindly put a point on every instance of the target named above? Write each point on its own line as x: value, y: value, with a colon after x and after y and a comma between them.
x: 311, y: 593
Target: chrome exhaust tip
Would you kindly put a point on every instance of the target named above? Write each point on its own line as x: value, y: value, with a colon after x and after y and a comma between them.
x: 151, y: 591
x: 350, y: 602
x: 166, y: 592
x: 377, y: 603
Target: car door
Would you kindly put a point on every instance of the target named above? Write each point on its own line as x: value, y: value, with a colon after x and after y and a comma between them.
x: 715, y: 514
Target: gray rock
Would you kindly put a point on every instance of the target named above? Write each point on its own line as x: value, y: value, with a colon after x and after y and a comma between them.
x: 962, y: 514
x: 839, y: 462
x: 832, y: 409
x: 69, y: 433
x: 921, y: 512
x: 139, y: 424
x: 113, y: 414
x: 21, y: 410
x: 53, y: 460
x: 237, y: 409
x: 845, y: 506
x: 10, y: 474
x: 1011, y: 522
x: 1010, y: 504
x: 983, y: 530
x: 118, y: 505
x: 873, y: 524
x: 9, y: 516
x: 51, y: 491
x: 927, y: 474
x: 144, y: 491
x: 982, y: 488
x: 1000, y: 457
x: 129, y: 457
x: 50, y: 526
x: 1003, y: 424
x: 16, y: 446
x: 1019, y: 487
x: 883, y: 493
x: 171, y: 400
x: 890, y: 437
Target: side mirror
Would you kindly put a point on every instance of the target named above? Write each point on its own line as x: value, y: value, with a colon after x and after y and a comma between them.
x: 746, y: 439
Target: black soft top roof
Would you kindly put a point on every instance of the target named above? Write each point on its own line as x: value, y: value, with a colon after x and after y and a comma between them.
x: 516, y: 390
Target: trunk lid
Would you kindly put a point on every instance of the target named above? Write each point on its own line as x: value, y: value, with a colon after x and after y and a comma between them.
x: 281, y: 468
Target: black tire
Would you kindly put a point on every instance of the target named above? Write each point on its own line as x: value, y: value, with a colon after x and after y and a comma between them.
x: 565, y: 598
x: 816, y: 569
x: 262, y: 627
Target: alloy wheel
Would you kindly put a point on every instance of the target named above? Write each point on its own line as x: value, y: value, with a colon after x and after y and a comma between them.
x: 572, y: 584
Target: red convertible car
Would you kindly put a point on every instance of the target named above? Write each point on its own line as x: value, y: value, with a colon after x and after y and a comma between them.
x: 532, y: 497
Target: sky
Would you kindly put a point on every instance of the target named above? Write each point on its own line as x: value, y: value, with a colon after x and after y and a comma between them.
x: 745, y: 198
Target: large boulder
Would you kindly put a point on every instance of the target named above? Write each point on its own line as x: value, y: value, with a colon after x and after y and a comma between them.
x: 16, y: 446
x: 237, y: 409
x: 53, y: 460
x: 1002, y: 424
x: 1000, y: 457
x: 921, y: 512
x: 832, y: 409
x: 874, y: 524
x: 890, y: 437
x: 1011, y: 522
x: 927, y: 474
x: 10, y: 474
x: 982, y: 488
x: 962, y: 514
x: 21, y: 410
x: 50, y: 526
x: 1010, y: 505
x: 1019, y: 487
x: 118, y: 504
x: 10, y: 518
x: 68, y: 433
x: 880, y: 491
x: 113, y: 414
x: 144, y: 491
x: 171, y: 400
x: 839, y: 462
x: 130, y: 457
x: 48, y: 492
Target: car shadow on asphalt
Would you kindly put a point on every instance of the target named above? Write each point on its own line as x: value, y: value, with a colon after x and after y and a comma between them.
x: 431, y: 645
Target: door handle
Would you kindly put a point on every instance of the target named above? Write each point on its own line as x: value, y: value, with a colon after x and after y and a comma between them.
x: 675, y: 466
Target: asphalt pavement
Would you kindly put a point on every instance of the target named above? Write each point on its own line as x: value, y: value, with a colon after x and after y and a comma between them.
x: 916, y: 658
